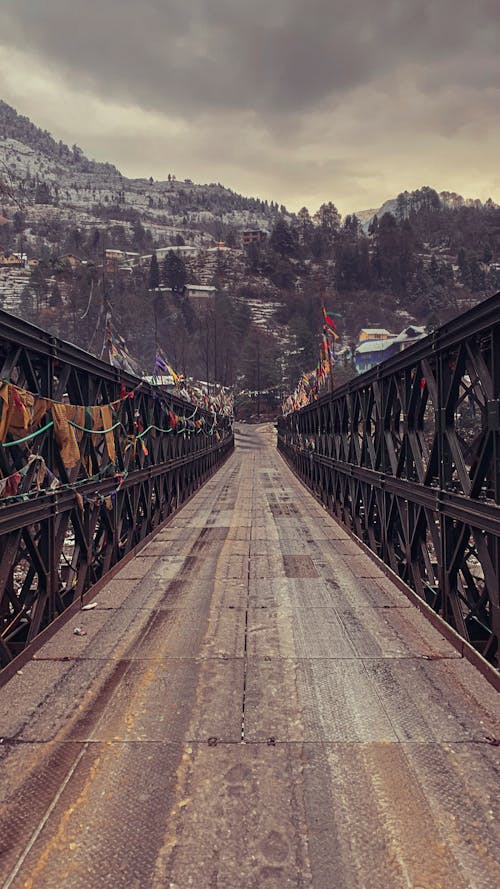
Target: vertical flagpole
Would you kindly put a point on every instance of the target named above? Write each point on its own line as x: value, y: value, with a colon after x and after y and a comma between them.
x: 329, y: 333
x: 330, y: 363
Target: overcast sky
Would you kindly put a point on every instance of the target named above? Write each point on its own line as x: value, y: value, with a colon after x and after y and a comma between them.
x: 299, y: 101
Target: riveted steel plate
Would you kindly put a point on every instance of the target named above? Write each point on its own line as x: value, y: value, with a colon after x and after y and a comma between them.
x: 308, y: 633
x: 264, y: 531
x: 171, y: 700
x: 108, y: 634
x: 110, y: 850
x: 349, y: 592
x: 380, y: 827
x: 313, y: 700
x: 290, y: 592
x: 173, y: 632
x: 56, y: 695
x: 116, y: 593
x: 393, y: 633
x: 214, y: 534
x: 299, y: 566
x: 435, y: 700
x: 234, y: 566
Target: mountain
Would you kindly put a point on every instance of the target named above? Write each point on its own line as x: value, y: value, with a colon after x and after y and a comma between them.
x: 169, y: 261
x: 16, y: 128
x: 37, y: 172
x: 402, y: 205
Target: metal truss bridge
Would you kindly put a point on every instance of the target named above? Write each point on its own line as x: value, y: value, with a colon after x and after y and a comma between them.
x: 222, y: 668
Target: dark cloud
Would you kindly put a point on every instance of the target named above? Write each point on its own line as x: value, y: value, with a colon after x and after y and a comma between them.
x: 306, y: 99
x: 273, y: 58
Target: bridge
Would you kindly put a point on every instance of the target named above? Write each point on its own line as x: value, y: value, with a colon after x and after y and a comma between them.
x: 246, y: 665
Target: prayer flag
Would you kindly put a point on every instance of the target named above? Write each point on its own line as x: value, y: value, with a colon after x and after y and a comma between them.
x: 328, y: 320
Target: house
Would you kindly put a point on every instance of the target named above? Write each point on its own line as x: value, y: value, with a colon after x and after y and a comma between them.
x: 161, y: 252
x: 199, y: 291
x: 193, y: 291
x: 118, y: 259
x: 70, y: 259
x: 253, y: 236
x: 374, y: 333
x: 179, y: 250
x: 371, y: 352
x: 12, y: 260
x: 409, y: 335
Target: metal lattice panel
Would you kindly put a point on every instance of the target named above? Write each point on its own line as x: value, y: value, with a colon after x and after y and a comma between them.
x: 57, y: 541
x: 407, y: 456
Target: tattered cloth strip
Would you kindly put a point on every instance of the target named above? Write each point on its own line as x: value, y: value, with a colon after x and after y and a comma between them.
x: 102, y: 420
x: 40, y: 471
x: 65, y: 434
x: 20, y: 410
x: 9, y: 486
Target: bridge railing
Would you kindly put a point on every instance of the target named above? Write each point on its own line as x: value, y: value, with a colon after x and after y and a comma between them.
x: 92, y: 461
x: 407, y: 456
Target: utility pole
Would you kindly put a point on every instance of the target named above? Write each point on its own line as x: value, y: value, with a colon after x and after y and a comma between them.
x: 258, y: 378
x: 106, y: 305
x: 155, y: 311
x: 215, y: 338
x: 207, y: 355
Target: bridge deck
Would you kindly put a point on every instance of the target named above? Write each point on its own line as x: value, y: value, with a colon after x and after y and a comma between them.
x: 253, y: 705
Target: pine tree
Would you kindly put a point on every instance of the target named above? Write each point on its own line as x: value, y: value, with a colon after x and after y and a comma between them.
x: 174, y: 272
x: 328, y: 220
x: 154, y: 273
x: 282, y: 240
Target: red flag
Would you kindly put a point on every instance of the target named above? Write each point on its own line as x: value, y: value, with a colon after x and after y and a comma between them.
x: 330, y: 323
x: 328, y: 319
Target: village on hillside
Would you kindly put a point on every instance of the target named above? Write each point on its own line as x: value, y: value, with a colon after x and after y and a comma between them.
x: 230, y: 288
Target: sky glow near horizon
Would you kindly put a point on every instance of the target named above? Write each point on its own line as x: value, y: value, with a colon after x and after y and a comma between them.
x: 297, y: 102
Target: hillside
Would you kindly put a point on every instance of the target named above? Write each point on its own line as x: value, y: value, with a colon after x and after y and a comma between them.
x: 407, y: 202
x: 79, y: 240
x: 38, y: 174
